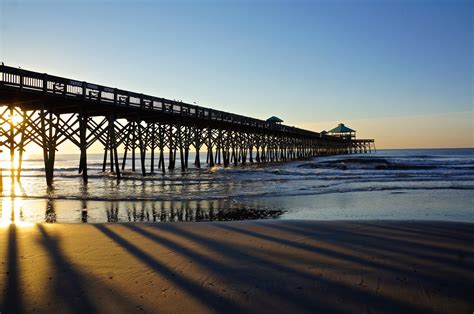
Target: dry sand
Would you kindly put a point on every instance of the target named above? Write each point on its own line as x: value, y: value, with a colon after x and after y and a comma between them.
x: 264, y: 266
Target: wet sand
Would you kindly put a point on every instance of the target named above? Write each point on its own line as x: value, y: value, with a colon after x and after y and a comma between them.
x: 271, y: 266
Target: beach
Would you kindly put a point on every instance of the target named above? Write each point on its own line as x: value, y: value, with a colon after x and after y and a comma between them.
x: 272, y: 266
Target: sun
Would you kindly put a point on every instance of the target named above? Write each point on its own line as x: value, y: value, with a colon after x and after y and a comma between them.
x: 15, y: 119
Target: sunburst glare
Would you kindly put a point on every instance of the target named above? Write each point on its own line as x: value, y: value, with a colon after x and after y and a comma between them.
x: 12, y: 212
x: 12, y: 207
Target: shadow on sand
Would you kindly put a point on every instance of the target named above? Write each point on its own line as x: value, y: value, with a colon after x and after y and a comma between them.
x: 67, y: 287
x: 272, y: 266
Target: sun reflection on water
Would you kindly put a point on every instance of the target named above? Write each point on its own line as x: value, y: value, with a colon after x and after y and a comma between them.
x: 12, y: 207
x: 6, y: 164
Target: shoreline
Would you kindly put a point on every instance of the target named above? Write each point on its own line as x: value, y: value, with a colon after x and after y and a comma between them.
x: 428, y: 205
x: 255, y: 266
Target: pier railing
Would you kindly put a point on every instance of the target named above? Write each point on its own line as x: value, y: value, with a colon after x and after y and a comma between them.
x: 48, y: 85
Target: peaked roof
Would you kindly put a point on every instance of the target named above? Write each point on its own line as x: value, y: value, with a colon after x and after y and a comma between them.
x: 274, y: 119
x: 341, y: 128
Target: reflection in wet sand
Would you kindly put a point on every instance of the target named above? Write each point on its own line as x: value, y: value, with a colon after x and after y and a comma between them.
x: 12, y: 211
x: 84, y: 211
x: 52, y: 210
x: 112, y: 212
x: 12, y: 207
x: 50, y: 215
x: 220, y: 210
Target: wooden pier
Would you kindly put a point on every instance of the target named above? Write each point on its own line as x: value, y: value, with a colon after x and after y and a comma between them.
x: 46, y: 110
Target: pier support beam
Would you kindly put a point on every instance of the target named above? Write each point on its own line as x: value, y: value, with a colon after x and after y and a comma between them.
x: 209, y: 147
x: 12, y: 141
x: 224, y: 144
x: 172, y: 148
x: 83, y: 146
x: 142, y: 139
x: 114, y: 143
x: 161, y: 135
x: 21, y: 149
x: 49, y: 136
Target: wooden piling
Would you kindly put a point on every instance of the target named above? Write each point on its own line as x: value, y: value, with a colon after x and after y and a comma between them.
x: 83, y: 142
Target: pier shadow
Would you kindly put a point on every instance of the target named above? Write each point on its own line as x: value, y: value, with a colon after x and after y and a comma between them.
x: 71, y: 289
x: 267, y: 266
x: 362, y: 239
x: 287, y: 282
x: 424, y: 257
x: 71, y: 285
x: 459, y: 232
x: 67, y: 287
x: 12, y: 302
x: 211, y: 299
x: 227, y: 268
x: 413, y: 244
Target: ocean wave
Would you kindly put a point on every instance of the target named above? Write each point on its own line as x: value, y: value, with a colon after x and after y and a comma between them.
x: 308, y: 191
x: 385, y: 164
x: 324, y: 175
x: 375, y: 175
x: 62, y: 169
x: 393, y: 166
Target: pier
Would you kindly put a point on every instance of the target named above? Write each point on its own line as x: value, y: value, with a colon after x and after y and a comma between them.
x: 47, y: 110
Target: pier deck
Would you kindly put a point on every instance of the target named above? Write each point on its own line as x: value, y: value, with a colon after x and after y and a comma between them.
x: 52, y: 110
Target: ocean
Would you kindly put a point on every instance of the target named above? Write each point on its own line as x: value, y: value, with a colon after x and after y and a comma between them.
x: 411, y: 184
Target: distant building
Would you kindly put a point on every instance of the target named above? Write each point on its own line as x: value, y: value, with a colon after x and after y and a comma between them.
x: 274, y: 120
x: 342, y: 131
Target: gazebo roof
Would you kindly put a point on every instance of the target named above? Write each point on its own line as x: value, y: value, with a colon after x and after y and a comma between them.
x: 274, y: 119
x: 341, y: 128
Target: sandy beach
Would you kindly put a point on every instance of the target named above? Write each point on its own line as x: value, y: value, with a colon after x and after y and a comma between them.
x: 252, y: 266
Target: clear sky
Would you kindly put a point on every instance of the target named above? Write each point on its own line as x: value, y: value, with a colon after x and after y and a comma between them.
x: 398, y: 71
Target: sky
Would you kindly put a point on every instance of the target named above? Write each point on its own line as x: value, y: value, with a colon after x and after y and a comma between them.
x: 397, y: 71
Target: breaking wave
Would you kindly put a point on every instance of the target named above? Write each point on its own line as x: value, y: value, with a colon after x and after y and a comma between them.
x: 384, y: 171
